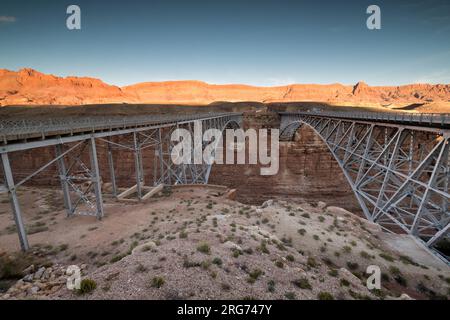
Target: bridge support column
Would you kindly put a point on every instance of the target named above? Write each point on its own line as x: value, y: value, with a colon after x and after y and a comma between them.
x: 63, y: 178
x: 95, y: 178
x: 111, y: 170
x: 138, y: 166
x: 9, y: 182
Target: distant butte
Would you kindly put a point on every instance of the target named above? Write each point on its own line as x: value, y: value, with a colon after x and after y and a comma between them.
x: 30, y: 87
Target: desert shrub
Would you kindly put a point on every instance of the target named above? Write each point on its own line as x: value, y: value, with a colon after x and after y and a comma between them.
x: 205, y: 264
x: 325, y: 296
x: 333, y: 273
x: 271, y: 286
x: 183, y: 235
x: 217, y: 261
x: 290, y: 258
x: 386, y: 257
x: 302, y: 283
x: 301, y: 232
x: 117, y: 258
x: 365, y: 255
x: 141, y: 268
x: 347, y: 249
x: 344, y: 283
x: 225, y: 286
x: 158, y: 282
x: 255, y: 274
x: 408, y: 260
x: 394, y: 270
x: 311, y: 262
x: 87, y: 286
x: 263, y: 247
x: 204, y: 248
x: 236, y: 253
x: 290, y: 295
x: 352, y: 265
x: 401, y: 280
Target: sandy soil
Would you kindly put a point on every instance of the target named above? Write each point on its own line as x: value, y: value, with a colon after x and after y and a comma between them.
x: 195, y: 243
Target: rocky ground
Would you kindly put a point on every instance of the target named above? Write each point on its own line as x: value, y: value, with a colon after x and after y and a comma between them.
x: 198, y: 243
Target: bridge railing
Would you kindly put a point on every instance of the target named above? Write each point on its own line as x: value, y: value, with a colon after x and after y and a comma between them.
x: 414, y: 118
x: 70, y: 124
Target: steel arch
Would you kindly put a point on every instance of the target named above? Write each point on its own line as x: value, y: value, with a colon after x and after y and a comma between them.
x: 399, y: 174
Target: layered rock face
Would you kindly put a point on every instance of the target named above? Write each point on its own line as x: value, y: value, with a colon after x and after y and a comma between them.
x: 29, y: 87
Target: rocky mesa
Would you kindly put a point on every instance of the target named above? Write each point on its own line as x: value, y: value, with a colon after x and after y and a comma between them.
x: 30, y: 87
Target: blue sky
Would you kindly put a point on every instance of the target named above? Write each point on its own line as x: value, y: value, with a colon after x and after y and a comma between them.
x: 253, y: 42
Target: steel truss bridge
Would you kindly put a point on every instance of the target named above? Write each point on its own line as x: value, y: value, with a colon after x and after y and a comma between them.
x: 76, y: 142
x: 396, y: 164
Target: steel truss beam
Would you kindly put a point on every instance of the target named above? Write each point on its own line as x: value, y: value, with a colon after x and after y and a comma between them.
x: 399, y: 173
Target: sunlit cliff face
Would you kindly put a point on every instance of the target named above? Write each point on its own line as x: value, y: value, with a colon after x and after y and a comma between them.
x: 29, y: 87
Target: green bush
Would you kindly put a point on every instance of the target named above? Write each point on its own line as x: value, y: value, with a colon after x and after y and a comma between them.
x: 386, y: 257
x: 204, y: 248
x: 87, y: 286
x: 217, y: 261
x: 158, y: 282
x: 302, y: 283
x: 325, y: 296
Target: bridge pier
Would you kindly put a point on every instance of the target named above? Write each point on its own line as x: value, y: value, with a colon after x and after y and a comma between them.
x: 9, y: 183
x: 111, y: 169
x: 95, y: 178
x: 63, y: 178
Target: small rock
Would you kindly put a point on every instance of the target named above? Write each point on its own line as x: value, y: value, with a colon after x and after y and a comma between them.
x: 29, y: 270
x: 231, y: 194
x: 28, y: 277
x: 47, y: 273
x: 39, y: 273
x: 33, y: 290
x: 148, y: 246
x: 321, y: 205
x: 232, y: 245
x: 267, y: 203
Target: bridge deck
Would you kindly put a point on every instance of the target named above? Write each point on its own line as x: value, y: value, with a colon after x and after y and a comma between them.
x: 14, y: 131
x: 430, y: 120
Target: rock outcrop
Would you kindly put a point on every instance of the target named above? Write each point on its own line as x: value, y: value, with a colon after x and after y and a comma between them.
x: 30, y: 87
